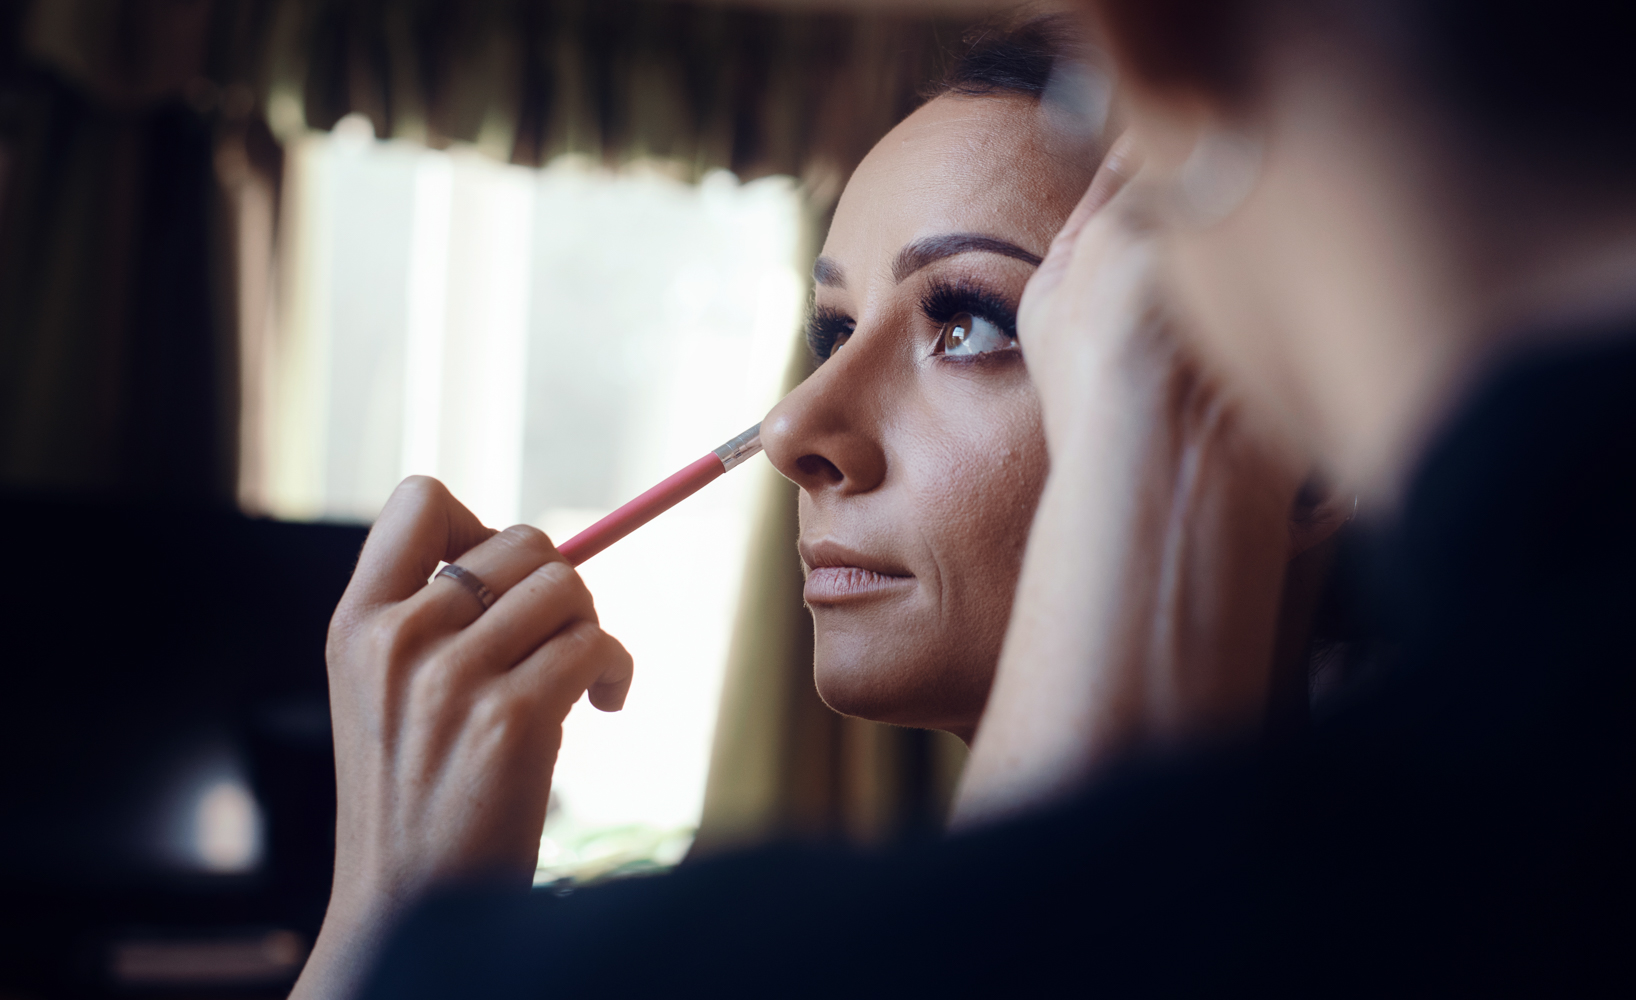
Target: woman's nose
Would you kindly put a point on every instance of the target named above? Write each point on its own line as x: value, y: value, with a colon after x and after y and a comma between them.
x: 825, y: 435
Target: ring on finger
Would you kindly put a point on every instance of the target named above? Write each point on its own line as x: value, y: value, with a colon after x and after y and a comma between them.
x: 471, y: 581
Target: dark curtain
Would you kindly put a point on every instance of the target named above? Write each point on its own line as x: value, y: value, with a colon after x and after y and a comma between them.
x: 116, y: 372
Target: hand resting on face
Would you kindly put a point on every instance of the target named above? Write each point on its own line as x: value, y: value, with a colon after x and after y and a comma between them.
x: 1148, y: 603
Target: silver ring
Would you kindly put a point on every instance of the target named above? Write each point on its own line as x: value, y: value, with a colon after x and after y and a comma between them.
x: 471, y: 581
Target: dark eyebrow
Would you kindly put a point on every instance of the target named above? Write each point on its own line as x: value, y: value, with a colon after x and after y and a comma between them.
x: 934, y: 248
x: 827, y: 272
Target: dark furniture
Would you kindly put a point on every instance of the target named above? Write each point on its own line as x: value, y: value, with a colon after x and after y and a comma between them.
x: 151, y: 657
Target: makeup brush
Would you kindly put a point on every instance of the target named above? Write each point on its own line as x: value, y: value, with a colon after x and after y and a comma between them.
x: 661, y: 498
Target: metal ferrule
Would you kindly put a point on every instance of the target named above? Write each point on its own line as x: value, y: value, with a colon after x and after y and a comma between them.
x: 745, y: 446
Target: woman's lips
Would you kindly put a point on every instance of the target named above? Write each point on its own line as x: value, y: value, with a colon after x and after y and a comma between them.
x: 838, y: 573
x: 835, y: 584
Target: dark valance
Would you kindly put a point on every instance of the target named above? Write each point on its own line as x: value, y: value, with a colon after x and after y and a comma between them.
x: 754, y: 90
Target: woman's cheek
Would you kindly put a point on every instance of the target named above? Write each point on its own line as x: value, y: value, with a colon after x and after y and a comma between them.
x: 992, y: 475
x: 803, y: 512
x: 969, y: 470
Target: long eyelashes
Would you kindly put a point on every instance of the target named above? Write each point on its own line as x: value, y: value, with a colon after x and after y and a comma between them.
x: 825, y: 326
x: 944, y: 300
x: 941, y: 302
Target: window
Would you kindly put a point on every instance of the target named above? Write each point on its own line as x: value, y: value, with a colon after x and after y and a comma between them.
x: 549, y: 343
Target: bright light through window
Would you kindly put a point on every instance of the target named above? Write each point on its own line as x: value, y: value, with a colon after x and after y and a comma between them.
x: 549, y: 343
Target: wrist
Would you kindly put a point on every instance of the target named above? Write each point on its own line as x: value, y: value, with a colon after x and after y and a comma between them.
x: 1104, y: 431
x: 352, y: 935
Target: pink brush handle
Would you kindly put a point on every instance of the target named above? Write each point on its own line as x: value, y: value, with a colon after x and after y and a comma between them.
x: 641, y: 510
x: 661, y: 498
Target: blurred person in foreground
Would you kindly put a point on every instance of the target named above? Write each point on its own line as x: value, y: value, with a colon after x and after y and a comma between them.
x: 1402, y: 236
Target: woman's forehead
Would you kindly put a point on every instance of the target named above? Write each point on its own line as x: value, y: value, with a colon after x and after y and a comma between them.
x: 987, y: 164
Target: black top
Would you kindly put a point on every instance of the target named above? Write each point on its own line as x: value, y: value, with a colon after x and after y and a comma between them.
x: 1464, y: 823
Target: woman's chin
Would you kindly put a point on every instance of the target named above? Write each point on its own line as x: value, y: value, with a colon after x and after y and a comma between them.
x: 861, y: 693
x: 898, y: 681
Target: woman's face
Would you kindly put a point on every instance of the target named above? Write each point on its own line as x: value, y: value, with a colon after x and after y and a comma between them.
x: 917, y: 442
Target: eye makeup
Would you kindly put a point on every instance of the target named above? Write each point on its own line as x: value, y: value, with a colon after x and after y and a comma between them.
x: 825, y: 328
x: 941, y: 302
x: 944, y: 302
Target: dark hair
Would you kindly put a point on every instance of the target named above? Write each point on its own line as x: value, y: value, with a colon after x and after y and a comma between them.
x: 1011, y: 55
x: 1552, y: 73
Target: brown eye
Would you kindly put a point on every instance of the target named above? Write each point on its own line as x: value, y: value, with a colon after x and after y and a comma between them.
x: 965, y: 333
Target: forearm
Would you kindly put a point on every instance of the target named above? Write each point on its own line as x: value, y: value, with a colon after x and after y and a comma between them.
x: 1079, y: 594
x: 342, y: 956
x: 1147, y: 605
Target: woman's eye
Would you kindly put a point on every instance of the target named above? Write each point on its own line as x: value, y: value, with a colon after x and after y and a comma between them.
x: 827, y: 330
x: 967, y: 333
